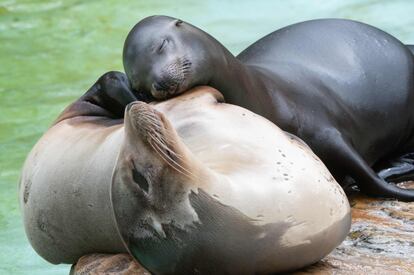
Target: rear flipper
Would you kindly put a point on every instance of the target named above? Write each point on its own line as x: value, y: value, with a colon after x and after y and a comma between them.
x: 398, y: 170
x: 365, y: 177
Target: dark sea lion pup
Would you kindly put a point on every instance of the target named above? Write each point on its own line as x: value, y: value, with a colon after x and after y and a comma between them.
x: 344, y: 87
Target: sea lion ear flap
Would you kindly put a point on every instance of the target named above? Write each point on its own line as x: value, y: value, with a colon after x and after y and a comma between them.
x: 178, y: 22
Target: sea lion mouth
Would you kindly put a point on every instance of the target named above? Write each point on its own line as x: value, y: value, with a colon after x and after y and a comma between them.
x: 174, y: 77
x: 161, y: 92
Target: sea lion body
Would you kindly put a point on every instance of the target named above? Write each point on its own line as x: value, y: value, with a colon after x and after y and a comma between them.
x: 221, y: 191
x: 345, y: 77
x: 65, y: 181
x: 64, y: 192
x: 344, y: 87
x: 234, y: 189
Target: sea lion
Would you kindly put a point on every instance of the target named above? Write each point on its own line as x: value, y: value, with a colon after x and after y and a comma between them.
x: 205, y: 187
x: 344, y: 87
x: 65, y: 187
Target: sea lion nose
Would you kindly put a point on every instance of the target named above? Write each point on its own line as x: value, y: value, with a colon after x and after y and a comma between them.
x: 129, y: 106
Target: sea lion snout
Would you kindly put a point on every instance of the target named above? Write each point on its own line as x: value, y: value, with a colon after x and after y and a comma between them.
x: 129, y: 106
x: 172, y: 78
x: 149, y: 127
x: 146, y: 122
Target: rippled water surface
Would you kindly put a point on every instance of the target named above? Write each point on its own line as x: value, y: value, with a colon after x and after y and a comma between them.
x: 52, y: 51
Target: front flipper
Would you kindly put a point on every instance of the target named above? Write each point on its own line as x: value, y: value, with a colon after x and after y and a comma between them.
x: 398, y: 169
x: 108, y: 97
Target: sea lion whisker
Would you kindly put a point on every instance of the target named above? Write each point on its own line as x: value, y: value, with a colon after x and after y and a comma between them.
x: 164, y: 141
x: 149, y: 118
x: 164, y: 158
x: 155, y: 126
x: 161, y: 141
x: 170, y: 137
x: 158, y: 140
x: 170, y: 153
x: 171, y: 162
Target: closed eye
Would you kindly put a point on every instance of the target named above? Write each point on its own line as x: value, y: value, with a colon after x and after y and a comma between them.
x: 162, y: 46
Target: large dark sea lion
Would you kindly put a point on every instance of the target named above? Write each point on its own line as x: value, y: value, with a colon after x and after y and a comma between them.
x: 344, y: 87
x: 193, y: 186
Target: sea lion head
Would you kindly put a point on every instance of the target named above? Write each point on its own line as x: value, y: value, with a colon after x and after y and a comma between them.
x: 153, y: 174
x: 165, y: 56
x: 152, y: 151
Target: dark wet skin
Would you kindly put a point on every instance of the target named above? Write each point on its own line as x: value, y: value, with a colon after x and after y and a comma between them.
x: 344, y: 87
x: 106, y: 98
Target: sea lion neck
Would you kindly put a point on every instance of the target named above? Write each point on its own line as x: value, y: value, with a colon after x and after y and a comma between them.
x: 233, y: 79
x: 244, y: 85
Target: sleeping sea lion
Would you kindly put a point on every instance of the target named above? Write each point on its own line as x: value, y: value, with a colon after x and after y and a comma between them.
x: 205, y: 187
x: 188, y: 184
x: 344, y: 87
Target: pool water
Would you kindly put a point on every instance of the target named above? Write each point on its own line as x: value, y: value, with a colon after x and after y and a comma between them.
x: 51, y: 52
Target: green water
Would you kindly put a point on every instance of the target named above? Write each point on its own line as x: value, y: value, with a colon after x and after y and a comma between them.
x: 52, y: 51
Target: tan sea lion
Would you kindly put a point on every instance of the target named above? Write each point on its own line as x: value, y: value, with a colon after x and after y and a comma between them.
x: 215, y: 188
x: 201, y: 186
x: 64, y: 186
